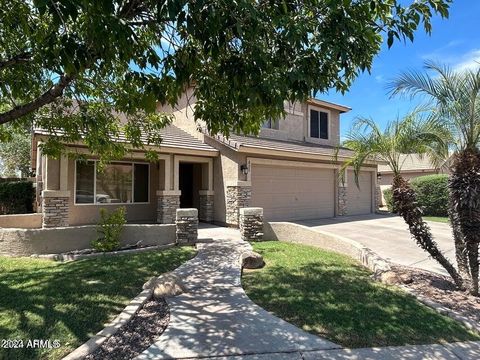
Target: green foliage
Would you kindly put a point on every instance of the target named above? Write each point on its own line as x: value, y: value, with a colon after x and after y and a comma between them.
x: 15, y: 152
x: 244, y: 57
x: 331, y: 295
x: 432, y: 194
x: 109, y: 229
x: 388, y: 196
x: 16, y: 197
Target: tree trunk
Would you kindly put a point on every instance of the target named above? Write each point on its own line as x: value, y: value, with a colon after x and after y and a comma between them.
x: 464, y: 187
x: 460, y: 246
x: 406, y: 204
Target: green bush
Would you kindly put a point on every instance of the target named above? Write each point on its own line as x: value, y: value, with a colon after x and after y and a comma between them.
x: 388, y: 196
x: 432, y: 194
x: 109, y: 229
x: 16, y: 197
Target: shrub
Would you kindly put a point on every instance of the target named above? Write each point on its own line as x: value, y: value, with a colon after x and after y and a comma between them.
x: 16, y: 197
x: 109, y: 229
x: 388, y: 196
x: 432, y: 194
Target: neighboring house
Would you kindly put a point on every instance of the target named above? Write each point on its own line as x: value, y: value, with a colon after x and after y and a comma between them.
x: 412, y: 166
x: 289, y: 170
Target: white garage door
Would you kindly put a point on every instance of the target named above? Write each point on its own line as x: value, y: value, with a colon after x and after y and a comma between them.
x: 359, y: 199
x: 290, y: 193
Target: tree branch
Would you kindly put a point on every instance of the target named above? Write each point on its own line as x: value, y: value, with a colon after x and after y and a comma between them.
x: 17, y: 59
x: 46, y: 98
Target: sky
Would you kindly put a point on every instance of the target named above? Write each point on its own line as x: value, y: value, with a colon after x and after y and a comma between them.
x: 454, y: 41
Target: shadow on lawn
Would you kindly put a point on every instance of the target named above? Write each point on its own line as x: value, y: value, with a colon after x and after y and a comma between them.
x: 338, y: 300
x: 71, y: 301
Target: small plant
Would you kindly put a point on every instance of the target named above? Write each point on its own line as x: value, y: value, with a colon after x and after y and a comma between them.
x: 109, y: 229
x: 388, y: 196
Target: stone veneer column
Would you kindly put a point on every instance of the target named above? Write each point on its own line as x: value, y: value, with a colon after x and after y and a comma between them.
x: 206, y: 205
x: 186, y: 226
x: 378, y: 197
x: 342, y: 199
x: 167, y: 204
x: 55, y: 208
x: 251, y: 224
x: 238, y: 196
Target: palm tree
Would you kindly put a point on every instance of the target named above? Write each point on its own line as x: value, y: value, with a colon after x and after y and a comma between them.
x: 455, y: 95
x: 412, y: 134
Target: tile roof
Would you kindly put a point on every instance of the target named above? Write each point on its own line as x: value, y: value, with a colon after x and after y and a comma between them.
x: 237, y: 141
x: 172, y: 136
x: 411, y: 162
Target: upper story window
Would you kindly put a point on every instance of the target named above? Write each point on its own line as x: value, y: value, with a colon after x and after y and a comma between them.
x: 318, y: 124
x: 271, y: 124
x: 119, y: 183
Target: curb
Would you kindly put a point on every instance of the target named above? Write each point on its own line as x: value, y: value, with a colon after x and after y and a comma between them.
x: 72, y: 257
x: 99, y: 338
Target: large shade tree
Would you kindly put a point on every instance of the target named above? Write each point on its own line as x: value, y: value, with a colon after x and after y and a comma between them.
x: 416, y: 133
x: 455, y: 95
x: 244, y: 57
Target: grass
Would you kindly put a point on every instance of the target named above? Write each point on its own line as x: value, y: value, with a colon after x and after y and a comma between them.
x: 69, y: 302
x: 442, y: 219
x: 333, y: 296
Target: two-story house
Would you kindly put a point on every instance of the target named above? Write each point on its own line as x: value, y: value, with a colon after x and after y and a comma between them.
x: 289, y: 170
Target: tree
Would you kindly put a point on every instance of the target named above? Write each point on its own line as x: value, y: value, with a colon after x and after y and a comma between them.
x: 416, y: 133
x: 15, y: 154
x: 456, y: 98
x: 244, y: 57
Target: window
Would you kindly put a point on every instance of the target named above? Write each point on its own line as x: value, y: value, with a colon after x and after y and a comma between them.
x: 318, y: 124
x: 271, y: 124
x: 119, y: 183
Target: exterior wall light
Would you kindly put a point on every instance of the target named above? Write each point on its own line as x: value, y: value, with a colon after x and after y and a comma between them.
x: 244, y: 169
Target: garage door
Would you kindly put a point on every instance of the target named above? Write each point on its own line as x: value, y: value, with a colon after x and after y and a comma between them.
x: 359, y: 199
x: 290, y: 193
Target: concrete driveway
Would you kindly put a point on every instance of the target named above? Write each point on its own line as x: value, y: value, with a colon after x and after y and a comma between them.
x: 389, y: 237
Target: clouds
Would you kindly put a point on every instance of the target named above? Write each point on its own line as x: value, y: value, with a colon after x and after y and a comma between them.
x: 459, y: 60
x: 468, y: 61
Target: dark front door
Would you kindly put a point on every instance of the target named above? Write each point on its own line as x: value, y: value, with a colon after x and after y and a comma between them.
x: 186, y: 185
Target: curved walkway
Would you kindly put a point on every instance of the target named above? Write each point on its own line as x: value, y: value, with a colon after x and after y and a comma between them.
x: 215, y: 317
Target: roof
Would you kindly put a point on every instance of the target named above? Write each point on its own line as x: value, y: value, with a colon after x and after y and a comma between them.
x: 242, y: 143
x: 411, y: 162
x: 328, y: 104
x: 172, y: 137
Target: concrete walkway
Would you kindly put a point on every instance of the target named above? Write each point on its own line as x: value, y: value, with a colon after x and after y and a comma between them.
x: 389, y: 237
x: 215, y: 317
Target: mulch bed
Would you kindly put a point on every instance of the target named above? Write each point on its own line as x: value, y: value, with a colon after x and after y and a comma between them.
x: 440, y: 289
x: 137, y: 335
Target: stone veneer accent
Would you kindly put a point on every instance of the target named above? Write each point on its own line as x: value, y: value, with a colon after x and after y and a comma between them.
x: 342, y: 200
x: 55, y: 208
x: 206, y: 206
x: 167, y: 204
x: 186, y: 226
x: 238, y: 196
x: 251, y: 224
x: 378, y: 197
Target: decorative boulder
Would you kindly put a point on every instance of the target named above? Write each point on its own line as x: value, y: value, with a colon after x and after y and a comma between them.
x: 390, y: 278
x: 166, y: 285
x: 252, y: 260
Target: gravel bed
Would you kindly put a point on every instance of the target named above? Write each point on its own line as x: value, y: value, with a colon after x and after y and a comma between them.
x: 137, y: 335
x: 440, y: 289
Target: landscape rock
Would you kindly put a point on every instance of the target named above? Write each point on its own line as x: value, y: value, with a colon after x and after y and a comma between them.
x: 390, y: 278
x: 167, y: 285
x: 252, y: 260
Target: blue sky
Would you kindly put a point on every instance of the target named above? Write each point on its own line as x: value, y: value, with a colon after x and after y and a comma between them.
x: 454, y: 41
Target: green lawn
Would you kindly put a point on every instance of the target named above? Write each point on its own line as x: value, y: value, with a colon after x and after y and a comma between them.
x: 333, y: 296
x: 442, y: 219
x: 69, y: 302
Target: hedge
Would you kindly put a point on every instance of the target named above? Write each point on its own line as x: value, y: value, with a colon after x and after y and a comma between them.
x: 16, y: 197
x: 432, y: 194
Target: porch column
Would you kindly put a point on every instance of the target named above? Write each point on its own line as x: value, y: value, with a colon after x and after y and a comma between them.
x: 342, y: 193
x: 56, y: 196
x: 168, y: 199
x: 239, y: 194
x: 378, y: 193
x: 206, y: 197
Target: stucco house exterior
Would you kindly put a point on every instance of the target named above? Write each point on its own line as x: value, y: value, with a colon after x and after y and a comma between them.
x: 289, y: 170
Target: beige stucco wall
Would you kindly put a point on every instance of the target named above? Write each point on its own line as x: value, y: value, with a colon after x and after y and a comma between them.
x: 25, y: 242
x: 26, y: 221
x: 90, y: 214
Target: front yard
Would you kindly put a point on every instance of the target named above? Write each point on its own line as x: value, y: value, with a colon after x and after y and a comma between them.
x: 69, y: 302
x: 333, y: 296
